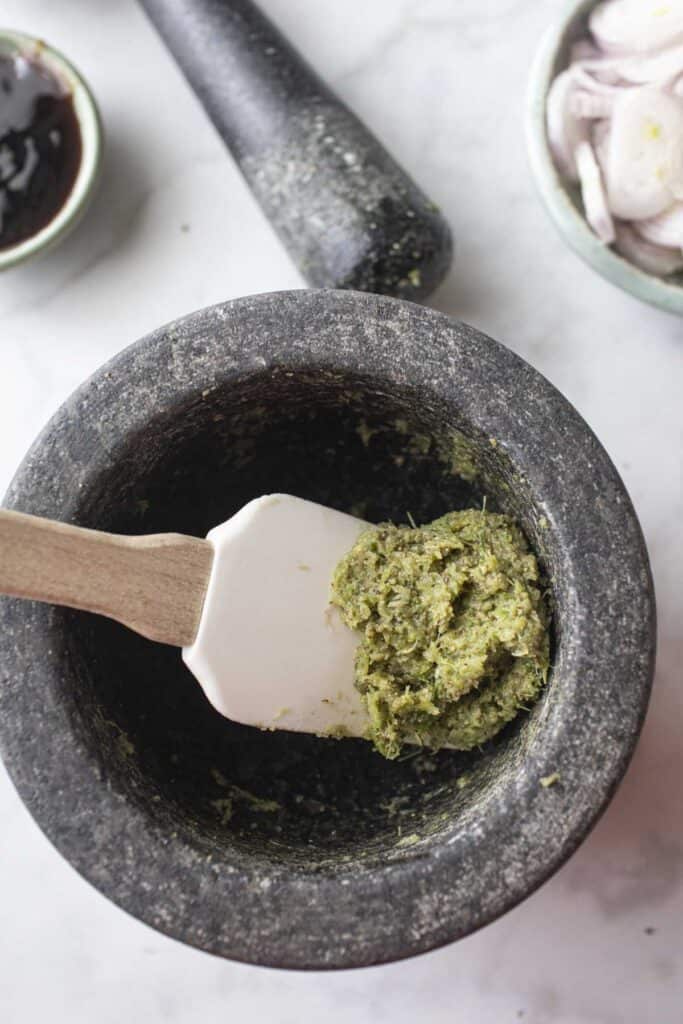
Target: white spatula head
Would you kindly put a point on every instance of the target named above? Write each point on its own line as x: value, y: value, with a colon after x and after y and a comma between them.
x: 270, y: 650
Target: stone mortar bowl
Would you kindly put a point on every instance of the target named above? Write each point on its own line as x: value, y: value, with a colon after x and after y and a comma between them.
x: 282, y: 849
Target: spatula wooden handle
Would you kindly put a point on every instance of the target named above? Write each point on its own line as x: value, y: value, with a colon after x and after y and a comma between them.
x: 154, y: 584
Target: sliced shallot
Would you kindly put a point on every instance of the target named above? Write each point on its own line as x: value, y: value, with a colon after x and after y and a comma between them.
x: 656, y: 68
x: 593, y: 193
x: 583, y: 49
x: 666, y: 229
x: 615, y: 127
x: 600, y: 140
x: 589, y: 80
x: 636, y: 26
x: 565, y: 131
x: 590, y: 106
x: 655, y: 259
x: 645, y: 154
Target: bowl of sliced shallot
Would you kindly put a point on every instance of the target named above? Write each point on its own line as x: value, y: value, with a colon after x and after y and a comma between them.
x: 605, y: 138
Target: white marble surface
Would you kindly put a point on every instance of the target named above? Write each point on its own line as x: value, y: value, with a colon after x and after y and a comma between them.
x: 173, y: 228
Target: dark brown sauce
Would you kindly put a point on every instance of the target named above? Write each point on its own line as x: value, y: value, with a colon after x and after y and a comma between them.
x: 40, y: 148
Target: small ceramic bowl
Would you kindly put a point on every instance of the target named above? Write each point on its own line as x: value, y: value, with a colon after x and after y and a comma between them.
x: 13, y: 43
x: 285, y: 849
x: 562, y: 199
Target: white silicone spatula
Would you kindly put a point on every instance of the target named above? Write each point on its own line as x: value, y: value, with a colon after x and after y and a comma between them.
x: 249, y: 605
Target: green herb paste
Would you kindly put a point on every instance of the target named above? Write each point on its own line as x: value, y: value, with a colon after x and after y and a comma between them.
x: 454, y: 628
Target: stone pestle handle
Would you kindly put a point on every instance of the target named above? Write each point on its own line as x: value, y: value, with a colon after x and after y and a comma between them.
x: 155, y: 585
x: 349, y: 215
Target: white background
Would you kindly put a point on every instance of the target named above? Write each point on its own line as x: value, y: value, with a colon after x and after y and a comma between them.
x: 172, y: 229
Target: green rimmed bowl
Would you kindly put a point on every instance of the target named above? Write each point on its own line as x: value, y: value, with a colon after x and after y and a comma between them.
x: 562, y: 199
x: 90, y: 125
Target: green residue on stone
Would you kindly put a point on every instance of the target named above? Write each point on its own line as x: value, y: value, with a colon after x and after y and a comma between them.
x: 424, y: 765
x: 123, y: 743
x: 219, y: 778
x: 550, y: 780
x: 420, y: 444
x: 365, y: 432
x: 256, y: 803
x: 459, y: 454
x: 224, y: 808
x: 125, y: 746
x: 225, y: 805
x: 395, y: 805
x: 453, y: 629
x: 409, y: 840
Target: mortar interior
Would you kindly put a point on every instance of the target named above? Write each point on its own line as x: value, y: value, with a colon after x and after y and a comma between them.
x: 284, y: 799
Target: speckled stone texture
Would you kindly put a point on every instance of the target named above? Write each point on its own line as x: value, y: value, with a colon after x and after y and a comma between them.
x: 356, y: 401
x: 349, y: 216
